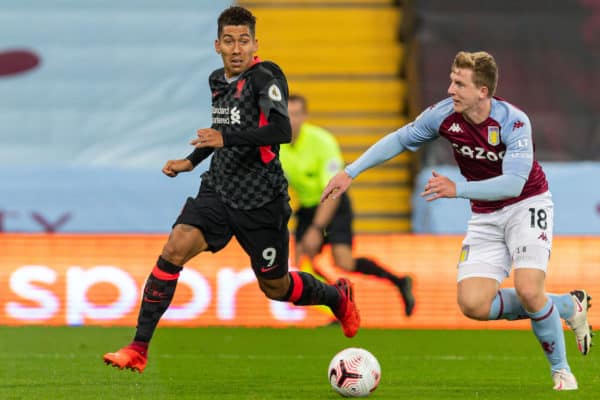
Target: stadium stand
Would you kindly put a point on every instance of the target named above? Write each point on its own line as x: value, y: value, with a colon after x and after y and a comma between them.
x: 549, y: 55
x: 117, y: 90
x: 345, y: 57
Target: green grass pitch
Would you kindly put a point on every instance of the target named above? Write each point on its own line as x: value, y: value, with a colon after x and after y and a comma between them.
x: 238, y: 363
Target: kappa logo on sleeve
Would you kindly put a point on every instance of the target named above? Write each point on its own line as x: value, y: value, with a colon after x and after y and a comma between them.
x: 274, y: 93
x: 518, y: 124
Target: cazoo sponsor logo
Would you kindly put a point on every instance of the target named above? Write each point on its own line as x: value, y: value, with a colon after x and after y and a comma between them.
x: 478, y: 153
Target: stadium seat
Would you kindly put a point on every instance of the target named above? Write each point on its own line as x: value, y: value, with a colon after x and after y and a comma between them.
x: 353, y: 87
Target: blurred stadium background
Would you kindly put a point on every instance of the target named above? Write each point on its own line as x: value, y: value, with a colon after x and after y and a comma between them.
x: 96, y: 95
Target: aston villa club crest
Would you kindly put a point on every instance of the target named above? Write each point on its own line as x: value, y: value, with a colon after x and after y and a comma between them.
x: 493, y: 135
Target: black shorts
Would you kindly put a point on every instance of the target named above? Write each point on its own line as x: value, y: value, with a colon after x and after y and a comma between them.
x: 262, y: 232
x: 338, y: 231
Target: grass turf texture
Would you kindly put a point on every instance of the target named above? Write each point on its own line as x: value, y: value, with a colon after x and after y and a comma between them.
x: 238, y: 363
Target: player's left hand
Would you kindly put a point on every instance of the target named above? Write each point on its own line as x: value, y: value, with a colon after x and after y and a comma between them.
x: 439, y: 186
x: 208, y: 137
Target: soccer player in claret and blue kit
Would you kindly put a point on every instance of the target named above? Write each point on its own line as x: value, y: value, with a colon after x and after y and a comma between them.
x: 243, y: 194
x: 512, y: 209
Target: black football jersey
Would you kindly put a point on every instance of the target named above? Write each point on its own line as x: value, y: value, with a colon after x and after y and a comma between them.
x: 249, y: 176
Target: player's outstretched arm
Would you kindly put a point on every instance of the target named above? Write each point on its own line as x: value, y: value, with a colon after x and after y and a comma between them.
x: 384, y: 149
x: 174, y: 167
x: 336, y: 186
x: 500, y: 187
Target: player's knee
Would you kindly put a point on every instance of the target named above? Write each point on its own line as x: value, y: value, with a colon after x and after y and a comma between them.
x: 346, y: 265
x: 274, y: 289
x: 171, y: 253
x: 474, y: 308
x: 343, y: 258
x: 476, y: 312
x: 475, y: 295
x: 529, y: 284
x: 531, y: 297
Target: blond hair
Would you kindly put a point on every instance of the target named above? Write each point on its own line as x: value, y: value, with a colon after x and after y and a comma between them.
x: 483, y: 65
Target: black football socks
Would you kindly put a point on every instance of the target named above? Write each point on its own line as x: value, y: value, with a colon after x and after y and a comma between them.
x: 369, y: 267
x: 157, y: 296
x: 307, y: 290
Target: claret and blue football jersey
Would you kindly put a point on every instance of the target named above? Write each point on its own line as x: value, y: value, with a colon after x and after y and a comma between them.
x: 501, y: 144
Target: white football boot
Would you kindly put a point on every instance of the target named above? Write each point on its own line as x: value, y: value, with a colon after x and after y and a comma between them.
x: 564, y: 380
x: 579, y: 321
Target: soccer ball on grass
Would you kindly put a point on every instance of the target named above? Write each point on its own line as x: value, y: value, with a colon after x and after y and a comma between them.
x: 354, y: 372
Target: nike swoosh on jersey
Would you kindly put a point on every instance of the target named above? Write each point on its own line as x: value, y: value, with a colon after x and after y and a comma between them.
x: 267, y: 269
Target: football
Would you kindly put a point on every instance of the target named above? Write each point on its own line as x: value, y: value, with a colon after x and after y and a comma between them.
x: 354, y: 372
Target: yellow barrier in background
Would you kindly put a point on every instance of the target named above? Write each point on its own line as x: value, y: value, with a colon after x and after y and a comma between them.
x: 97, y: 280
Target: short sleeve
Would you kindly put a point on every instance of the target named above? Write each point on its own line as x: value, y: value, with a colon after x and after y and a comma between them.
x: 271, y: 86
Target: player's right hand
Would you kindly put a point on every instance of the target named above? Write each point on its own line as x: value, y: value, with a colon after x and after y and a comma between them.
x: 336, y: 186
x: 173, y: 167
x: 439, y: 186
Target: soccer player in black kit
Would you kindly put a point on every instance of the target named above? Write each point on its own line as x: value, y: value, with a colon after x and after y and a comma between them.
x: 243, y: 193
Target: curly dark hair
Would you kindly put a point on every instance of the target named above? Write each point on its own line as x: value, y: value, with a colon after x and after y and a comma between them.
x: 236, y: 15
